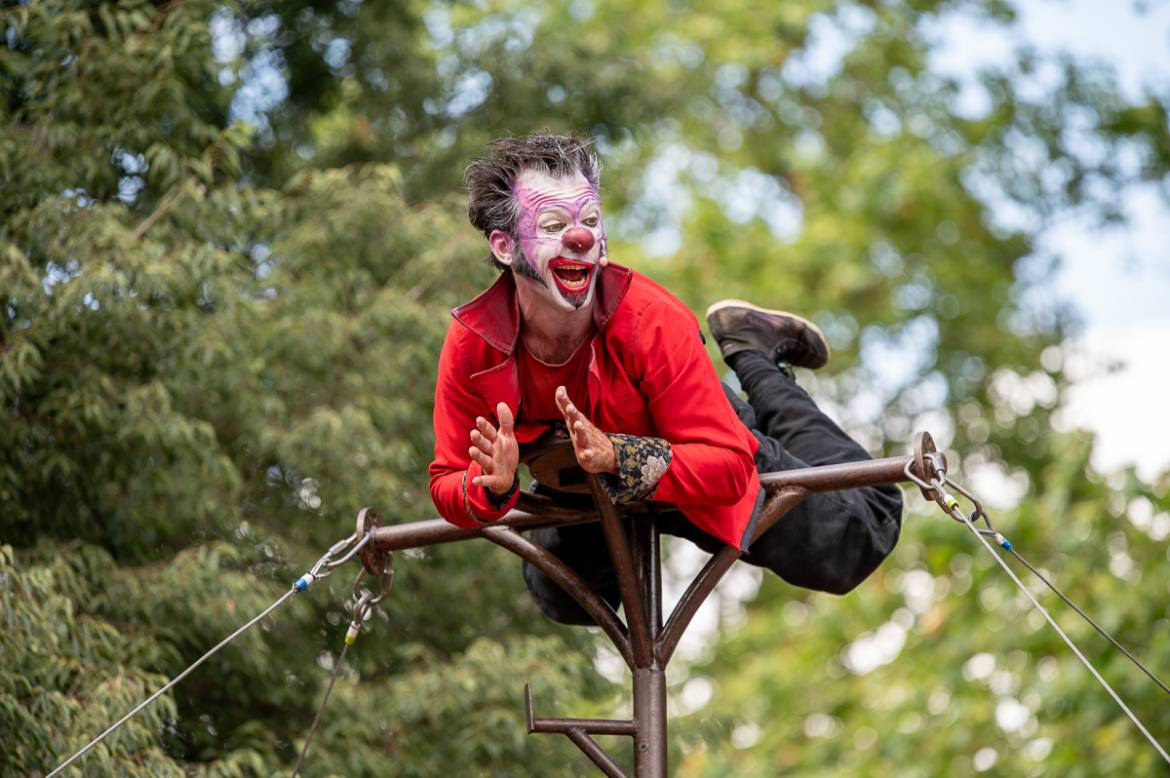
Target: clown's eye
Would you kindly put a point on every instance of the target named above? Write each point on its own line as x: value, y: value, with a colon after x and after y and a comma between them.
x: 553, y: 227
x: 591, y: 221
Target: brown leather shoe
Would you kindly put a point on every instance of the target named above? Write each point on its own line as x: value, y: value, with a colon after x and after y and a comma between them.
x: 737, y: 325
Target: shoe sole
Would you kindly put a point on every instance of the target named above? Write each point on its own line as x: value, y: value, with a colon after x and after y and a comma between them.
x: 719, y: 306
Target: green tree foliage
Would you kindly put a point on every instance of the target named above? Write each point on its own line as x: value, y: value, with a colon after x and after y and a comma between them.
x: 218, y: 338
x: 940, y: 666
x: 204, y: 380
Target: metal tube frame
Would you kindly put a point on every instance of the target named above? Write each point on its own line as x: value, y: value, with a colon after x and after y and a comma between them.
x: 644, y: 642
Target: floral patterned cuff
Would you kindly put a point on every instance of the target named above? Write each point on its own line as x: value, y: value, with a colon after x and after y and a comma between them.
x: 641, y: 462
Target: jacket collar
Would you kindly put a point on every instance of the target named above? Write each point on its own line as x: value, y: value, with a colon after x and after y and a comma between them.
x: 494, y: 314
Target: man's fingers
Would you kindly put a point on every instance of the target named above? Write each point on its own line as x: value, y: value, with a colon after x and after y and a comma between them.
x: 480, y: 457
x: 485, y: 462
x: 504, y: 414
x: 482, y: 443
x: 580, y: 428
x: 566, y: 405
x: 486, y: 429
x: 562, y: 398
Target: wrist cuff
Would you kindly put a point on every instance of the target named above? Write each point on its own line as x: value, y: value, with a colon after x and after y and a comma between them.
x: 490, y: 506
x: 641, y: 462
x: 503, y: 499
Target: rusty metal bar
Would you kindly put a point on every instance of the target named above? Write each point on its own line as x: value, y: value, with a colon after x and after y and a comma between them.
x: 650, y: 716
x: 779, y: 503
x: 650, y: 744
x: 545, y: 505
x: 701, y: 586
x: 647, y: 645
x: 850, y: 475
x: 568, y: 580
x: 578, y: 731
x: 623, y: 565
x: 541, y: 511
x: 595, y: 752
x: 563, y: 724
x: 434, y: 532
x: 647, y: 557
x: 698, y: 591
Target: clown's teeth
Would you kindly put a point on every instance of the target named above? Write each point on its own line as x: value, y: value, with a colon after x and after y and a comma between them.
x: 571, y: 276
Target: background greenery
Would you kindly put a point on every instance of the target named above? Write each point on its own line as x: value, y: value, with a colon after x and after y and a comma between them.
x: 230, y: 238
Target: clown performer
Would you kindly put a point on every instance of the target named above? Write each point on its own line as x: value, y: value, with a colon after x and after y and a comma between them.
x: 565, y: 339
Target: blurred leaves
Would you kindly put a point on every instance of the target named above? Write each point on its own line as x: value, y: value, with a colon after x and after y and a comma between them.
x: 939, y: 665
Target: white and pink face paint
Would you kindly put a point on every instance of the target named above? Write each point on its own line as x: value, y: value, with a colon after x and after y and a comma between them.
x: 561, y: 238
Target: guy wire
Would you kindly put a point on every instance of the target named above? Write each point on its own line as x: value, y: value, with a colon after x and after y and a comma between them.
x: 1085, y: 616
x: 1116, y: 698
x: 173, y: 681
x: 321, y: 708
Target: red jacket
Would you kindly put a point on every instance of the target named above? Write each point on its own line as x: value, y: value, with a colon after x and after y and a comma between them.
x: 648, y: 375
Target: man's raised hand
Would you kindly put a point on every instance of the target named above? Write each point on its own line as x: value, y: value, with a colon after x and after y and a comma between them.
x: 496, y: 452
x: 593, y: 447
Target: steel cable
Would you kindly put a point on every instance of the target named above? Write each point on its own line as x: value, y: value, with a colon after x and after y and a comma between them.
x: 1092, y: 623
x: 322, y: 569
x: 321, y: 708
x: 1084, y: 660
x: 173, y: 681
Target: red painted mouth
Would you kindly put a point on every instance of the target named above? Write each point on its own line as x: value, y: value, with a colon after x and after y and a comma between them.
x: 571, y: 275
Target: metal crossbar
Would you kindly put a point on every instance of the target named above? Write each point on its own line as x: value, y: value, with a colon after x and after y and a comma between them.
x: 643, y: 640
x: 646, y: 644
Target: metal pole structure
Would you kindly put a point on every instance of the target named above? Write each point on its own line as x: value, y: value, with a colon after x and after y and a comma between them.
x: 644, y: 641
x: 650, y: 753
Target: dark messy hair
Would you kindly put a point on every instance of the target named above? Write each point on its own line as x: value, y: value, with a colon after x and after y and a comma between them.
x: 489, y: 179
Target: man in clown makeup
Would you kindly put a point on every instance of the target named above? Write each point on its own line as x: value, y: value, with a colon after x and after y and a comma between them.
x: 566, y: 339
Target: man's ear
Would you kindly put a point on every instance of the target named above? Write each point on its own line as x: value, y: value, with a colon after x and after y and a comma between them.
x: 503, y: 247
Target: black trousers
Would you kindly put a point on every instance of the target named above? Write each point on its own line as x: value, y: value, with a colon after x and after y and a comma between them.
x: 830, y: 542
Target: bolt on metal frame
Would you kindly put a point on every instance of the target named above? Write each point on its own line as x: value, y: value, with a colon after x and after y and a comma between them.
x: 645, y: 642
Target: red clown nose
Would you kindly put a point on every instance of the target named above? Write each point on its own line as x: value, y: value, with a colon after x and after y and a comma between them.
x: 578, y: 240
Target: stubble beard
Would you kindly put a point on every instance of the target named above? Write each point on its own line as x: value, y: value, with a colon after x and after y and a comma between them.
x: 522, y: 267
x: 576, y: 300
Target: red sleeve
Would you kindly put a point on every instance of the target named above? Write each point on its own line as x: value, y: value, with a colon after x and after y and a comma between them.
x: 711, y: 462
x: 457, y: 498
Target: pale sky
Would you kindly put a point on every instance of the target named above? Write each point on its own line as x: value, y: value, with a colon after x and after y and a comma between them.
x: 1118, y: 280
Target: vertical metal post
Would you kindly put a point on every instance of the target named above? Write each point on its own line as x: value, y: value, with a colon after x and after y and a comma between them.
x: 649, y: 563
x: 650, y: 719
x: 650, y: 742
x: 627, y: 576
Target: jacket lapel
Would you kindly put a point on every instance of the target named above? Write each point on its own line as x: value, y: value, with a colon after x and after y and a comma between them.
x: 493, y: 314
